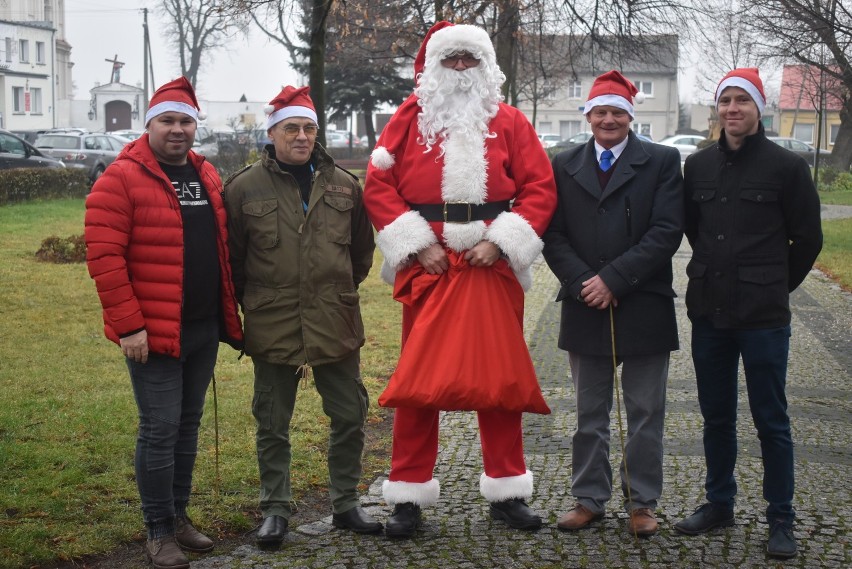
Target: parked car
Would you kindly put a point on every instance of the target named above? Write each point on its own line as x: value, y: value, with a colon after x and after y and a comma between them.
x: 577, y: 139
x: 548, y: 140
x: 90, y: 151
x: 803, y: 149
x: 685, y: 143
x: 128, y: 134
x: 15, y: 152
x: 341, y: 135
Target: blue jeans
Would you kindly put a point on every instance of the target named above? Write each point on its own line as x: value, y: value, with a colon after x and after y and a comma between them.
x: 716, y: 354
x: 169, y: 396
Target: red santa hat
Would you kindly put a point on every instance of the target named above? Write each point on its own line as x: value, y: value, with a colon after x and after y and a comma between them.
x: 613, y: 89
x: 747, y: 79
x: 290, y: 102
x: 175, y: 96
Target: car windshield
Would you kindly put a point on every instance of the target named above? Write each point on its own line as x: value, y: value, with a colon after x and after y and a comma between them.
x: 54, y: 141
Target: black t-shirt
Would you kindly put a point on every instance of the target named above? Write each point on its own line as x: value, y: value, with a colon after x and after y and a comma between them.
x: 200, y: 257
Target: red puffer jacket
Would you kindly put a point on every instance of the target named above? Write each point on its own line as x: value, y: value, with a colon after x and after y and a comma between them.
x: 134, y: 239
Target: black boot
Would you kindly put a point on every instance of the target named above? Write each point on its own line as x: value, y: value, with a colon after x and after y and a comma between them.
x: 516, y: 514
x: 271, y: 532
x: 404, y: 520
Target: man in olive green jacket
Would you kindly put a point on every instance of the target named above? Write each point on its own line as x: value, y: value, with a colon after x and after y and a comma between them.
x: 300, y: 245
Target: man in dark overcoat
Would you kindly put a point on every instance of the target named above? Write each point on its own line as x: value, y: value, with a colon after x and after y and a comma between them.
x: 618, y: 222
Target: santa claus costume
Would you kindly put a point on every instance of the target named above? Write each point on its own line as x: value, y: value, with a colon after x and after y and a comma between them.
x: 456, y: 166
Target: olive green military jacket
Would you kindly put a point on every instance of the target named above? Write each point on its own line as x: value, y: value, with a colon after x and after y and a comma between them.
x: 296, y: 273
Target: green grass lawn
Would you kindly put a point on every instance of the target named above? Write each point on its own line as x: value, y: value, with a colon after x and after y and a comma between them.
x: 835, y: 198
x: 835, y: 258
x: 68, y: 420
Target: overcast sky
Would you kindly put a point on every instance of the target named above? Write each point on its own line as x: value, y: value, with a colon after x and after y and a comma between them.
x: 101, y: 29
x: 255, y: 67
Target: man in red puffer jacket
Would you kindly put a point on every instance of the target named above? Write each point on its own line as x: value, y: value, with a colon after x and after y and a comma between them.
x: 157, y: 250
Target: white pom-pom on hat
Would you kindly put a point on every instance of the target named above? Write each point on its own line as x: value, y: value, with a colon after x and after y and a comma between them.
x: 639, y: 98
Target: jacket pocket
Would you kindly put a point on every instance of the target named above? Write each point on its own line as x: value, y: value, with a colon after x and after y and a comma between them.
x: 338, y: 217
x: 255, y: 298
x: 761, y: 293
x: 261, y: 219
x: 757, y: 210
x: 696, y: 289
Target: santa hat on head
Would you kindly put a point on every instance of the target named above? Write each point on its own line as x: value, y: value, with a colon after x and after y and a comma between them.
x: 748, y: 79
x: 175, y: 96
x: 290, y: 102
x: 445, y: 38
x: 613, y: 89
x: 441, y: 40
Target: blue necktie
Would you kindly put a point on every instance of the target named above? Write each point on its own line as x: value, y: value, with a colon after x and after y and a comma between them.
x: 606, y: 160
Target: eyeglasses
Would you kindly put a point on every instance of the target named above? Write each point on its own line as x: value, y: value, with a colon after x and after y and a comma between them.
x: 468, y: 59
x: 293, y: 130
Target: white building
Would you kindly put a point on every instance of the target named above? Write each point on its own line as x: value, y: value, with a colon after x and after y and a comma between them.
x: 35, y: 67
x: 651, y: 63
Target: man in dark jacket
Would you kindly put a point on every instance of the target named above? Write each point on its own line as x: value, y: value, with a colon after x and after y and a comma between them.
x: 752, y: 218
x: 300, y: 245
x: 157, y: 249
x: 617, y: 225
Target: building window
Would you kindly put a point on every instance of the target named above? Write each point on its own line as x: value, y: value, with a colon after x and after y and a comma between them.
x: 35, y: 101
x: 24, y: 51
x: 40, y: 52
x: 8, y: 49
x: 646, y: 87
x: 804, y: 132
x: 832, y: 133
x: 643, y: 128
x: 544, y: 126
x: 18, y: 99
x: 574, y: 90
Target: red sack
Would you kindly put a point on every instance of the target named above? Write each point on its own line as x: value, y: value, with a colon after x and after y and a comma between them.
x: 466, y: 349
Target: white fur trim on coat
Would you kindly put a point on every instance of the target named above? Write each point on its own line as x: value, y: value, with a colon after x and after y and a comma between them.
x: 462, y: 236
x: 506, y: 488
x: 516, y: 238
x: 420, y: 493
x: 406, y: 235
x: 465, y: 172
x: 461, y: 37
x: 382, y: 159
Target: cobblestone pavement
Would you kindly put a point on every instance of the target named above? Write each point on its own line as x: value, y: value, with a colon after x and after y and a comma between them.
x: 459, y: 533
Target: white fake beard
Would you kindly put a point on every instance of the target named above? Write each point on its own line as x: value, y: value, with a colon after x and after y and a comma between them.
x: 455, y: 102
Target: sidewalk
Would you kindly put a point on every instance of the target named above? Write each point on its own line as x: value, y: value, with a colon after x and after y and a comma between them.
x: 459, y: 533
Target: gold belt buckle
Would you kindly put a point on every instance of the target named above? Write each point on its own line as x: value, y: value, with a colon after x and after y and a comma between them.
x: 469, y: 212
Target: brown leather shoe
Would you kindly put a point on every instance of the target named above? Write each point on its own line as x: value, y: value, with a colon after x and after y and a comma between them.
x: 190, y: 538
x: 577, y: 517
x: 642, y: 522
x: 164, y: 553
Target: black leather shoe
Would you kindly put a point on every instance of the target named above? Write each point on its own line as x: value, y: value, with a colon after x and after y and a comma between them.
x: 271, y: 532
x: 782, y: 542
x: 516, y: 514
x: 404, y: 520
x: 705, y: 518
x: 356, y: 520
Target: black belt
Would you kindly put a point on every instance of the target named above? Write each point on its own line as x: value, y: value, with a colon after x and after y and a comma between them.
x: 460, y: 212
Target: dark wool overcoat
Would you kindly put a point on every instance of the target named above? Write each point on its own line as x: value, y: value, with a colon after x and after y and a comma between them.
x: 627, y: 233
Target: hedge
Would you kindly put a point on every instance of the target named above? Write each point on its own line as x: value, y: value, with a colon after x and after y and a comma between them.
x: 21, y: 184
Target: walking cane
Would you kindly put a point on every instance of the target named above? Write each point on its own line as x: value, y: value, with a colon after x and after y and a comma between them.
x: 216, y: 480
x: 618, y: 408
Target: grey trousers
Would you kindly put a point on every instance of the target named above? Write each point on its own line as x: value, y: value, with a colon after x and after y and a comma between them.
x: 643, y: 382
x: 344, y: 400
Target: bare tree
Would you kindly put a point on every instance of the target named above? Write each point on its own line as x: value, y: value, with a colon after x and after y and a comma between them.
x: 818, y: 34
x: 196, y: 27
